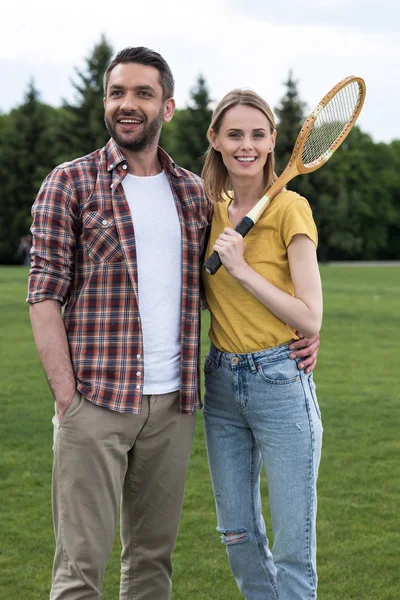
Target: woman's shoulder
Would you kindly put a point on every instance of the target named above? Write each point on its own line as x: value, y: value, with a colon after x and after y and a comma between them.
x: 287, y: 197
x: 221, y: 205
x: 288, y: 201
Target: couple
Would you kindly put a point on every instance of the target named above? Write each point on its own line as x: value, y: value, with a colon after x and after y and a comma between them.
x: 117, y: 241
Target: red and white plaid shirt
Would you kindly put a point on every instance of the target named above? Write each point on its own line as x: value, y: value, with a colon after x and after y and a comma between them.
x: 83, y: 255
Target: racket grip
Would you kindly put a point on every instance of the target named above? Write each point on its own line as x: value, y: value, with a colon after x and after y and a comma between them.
x: 213, y: 262
x: 244, y: 226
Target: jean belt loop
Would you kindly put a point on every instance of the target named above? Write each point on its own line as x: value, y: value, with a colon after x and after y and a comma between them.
x: 251, y: 363
x: 218, y: 355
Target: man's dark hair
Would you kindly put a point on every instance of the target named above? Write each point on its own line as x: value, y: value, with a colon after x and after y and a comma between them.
x: 144, y: 56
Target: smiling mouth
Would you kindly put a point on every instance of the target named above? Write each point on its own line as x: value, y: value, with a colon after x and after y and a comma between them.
x: 129, y: 121
x: 245, y: 159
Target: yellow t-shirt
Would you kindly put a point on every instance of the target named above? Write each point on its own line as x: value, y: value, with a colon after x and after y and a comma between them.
x: 239, y: 322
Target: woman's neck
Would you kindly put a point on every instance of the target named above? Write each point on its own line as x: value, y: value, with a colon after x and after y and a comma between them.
x: 246, y: 193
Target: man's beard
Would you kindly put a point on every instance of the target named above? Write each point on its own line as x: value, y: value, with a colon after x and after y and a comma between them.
x: 144, y: 140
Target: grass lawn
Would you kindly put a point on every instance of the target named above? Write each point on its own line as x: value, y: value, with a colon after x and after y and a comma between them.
x: 359, y: 486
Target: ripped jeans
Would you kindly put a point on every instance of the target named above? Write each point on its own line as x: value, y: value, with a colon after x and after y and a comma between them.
x: 260, y: 409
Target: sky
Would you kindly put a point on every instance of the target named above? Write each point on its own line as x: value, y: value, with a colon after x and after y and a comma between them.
x: 232, y: 43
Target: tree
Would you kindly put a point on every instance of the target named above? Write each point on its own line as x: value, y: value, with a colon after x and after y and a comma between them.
x: 26, y: 155
x: 354, y: 201
x: 185, y: 138
x: 354, y: 197
x: 391, y: 176
x: 82, y: 128
x: 290, y: 115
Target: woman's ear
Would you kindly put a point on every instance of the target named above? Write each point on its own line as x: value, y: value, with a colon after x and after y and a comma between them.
x: 273, y: 141
x: 213, y: 139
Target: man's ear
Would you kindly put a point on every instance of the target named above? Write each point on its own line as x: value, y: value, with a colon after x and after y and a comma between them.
x: 169, y: 109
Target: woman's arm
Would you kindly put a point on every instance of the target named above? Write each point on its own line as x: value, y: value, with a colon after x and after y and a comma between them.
x: 302, y: 311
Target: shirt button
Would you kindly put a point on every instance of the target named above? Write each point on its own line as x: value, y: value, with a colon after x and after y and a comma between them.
x: 138, y: 356
x: 111, y: 166
x: 138, y: 387
x: 138, y: 373
x: 111, y: 185
x: 104, y: 222
x: 124, y: 167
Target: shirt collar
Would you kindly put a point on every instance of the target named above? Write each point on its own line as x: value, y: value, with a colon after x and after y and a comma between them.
x: 115, y: 158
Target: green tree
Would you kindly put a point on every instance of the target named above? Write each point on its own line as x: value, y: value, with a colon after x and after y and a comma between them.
x: 82, y: 128
x: 390, y: 175
x: 290, y: 113
x: 26, y: 155
x: 290, y: 117
x: 354, y: 201
x: 185, y: 138
x: 354, y: 197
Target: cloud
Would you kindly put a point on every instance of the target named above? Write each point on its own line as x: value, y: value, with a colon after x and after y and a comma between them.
x: 233, y: 44
x: 362, y: 15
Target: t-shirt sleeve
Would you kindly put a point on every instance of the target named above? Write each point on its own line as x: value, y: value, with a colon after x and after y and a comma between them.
x: 298, y: 218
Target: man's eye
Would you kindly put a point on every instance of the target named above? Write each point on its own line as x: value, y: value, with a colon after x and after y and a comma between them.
x: 115, y: 93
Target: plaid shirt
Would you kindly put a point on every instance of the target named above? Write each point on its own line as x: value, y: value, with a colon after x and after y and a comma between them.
x: 84, y: 255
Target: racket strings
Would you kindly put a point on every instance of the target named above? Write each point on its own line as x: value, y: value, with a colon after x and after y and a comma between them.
x: 331, y: 122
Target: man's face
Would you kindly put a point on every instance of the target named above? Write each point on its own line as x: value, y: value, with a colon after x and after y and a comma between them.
x: 134, y: 109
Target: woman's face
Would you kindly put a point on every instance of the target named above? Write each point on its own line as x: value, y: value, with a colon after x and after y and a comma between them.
x: 244, y: 140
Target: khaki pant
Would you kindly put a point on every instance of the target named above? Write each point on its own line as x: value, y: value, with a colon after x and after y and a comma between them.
x: 100, y: 457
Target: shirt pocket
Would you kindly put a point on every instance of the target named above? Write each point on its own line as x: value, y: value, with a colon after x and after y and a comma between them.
x: 101, y: 237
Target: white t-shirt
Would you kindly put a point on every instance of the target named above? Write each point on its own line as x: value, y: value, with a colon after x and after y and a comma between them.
x: 159, y: 261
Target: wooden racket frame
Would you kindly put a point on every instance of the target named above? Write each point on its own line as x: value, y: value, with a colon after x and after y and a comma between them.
x: 295, y: 165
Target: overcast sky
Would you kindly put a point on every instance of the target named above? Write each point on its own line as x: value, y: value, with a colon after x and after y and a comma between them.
x: 233, y: 43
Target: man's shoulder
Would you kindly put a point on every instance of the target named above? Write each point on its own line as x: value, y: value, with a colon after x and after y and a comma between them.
x: 82, y: 164
x: 190, y: 187
x: 189, y: 175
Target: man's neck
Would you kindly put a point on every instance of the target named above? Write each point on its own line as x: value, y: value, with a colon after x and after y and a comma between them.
x: 143, y: 164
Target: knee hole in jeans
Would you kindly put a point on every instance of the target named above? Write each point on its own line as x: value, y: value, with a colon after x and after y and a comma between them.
x: 234, y: 537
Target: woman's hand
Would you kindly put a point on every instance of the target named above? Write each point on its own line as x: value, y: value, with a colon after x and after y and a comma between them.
x: 230, y: 246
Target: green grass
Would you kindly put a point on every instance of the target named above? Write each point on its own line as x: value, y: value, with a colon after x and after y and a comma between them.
x: 359, y: 486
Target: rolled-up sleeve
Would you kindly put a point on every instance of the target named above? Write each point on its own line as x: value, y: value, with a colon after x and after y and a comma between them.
x: 54, y: 230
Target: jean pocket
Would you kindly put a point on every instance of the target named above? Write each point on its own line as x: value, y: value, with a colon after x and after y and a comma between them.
x: 314, y: 395
x: 209, y: 365
x: 283, y: 372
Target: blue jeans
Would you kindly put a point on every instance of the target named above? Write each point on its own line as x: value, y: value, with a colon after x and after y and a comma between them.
x: 259, y: 408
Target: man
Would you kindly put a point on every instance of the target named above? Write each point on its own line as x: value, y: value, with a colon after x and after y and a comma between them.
x: 117, y: 241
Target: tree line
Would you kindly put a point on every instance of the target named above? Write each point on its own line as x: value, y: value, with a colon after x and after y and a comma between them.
x: 355, y: 197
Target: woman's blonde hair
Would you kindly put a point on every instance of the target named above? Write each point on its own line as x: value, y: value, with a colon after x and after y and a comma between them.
x: 215, y: 175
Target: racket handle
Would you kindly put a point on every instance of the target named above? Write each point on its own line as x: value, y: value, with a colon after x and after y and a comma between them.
x: 213, y: 262
x: 244, y: 226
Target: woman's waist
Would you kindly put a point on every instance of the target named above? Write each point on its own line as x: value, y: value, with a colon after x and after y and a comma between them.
x: 250, y: 359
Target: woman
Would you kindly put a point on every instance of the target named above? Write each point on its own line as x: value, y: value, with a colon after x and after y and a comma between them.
x: 258, y: 406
